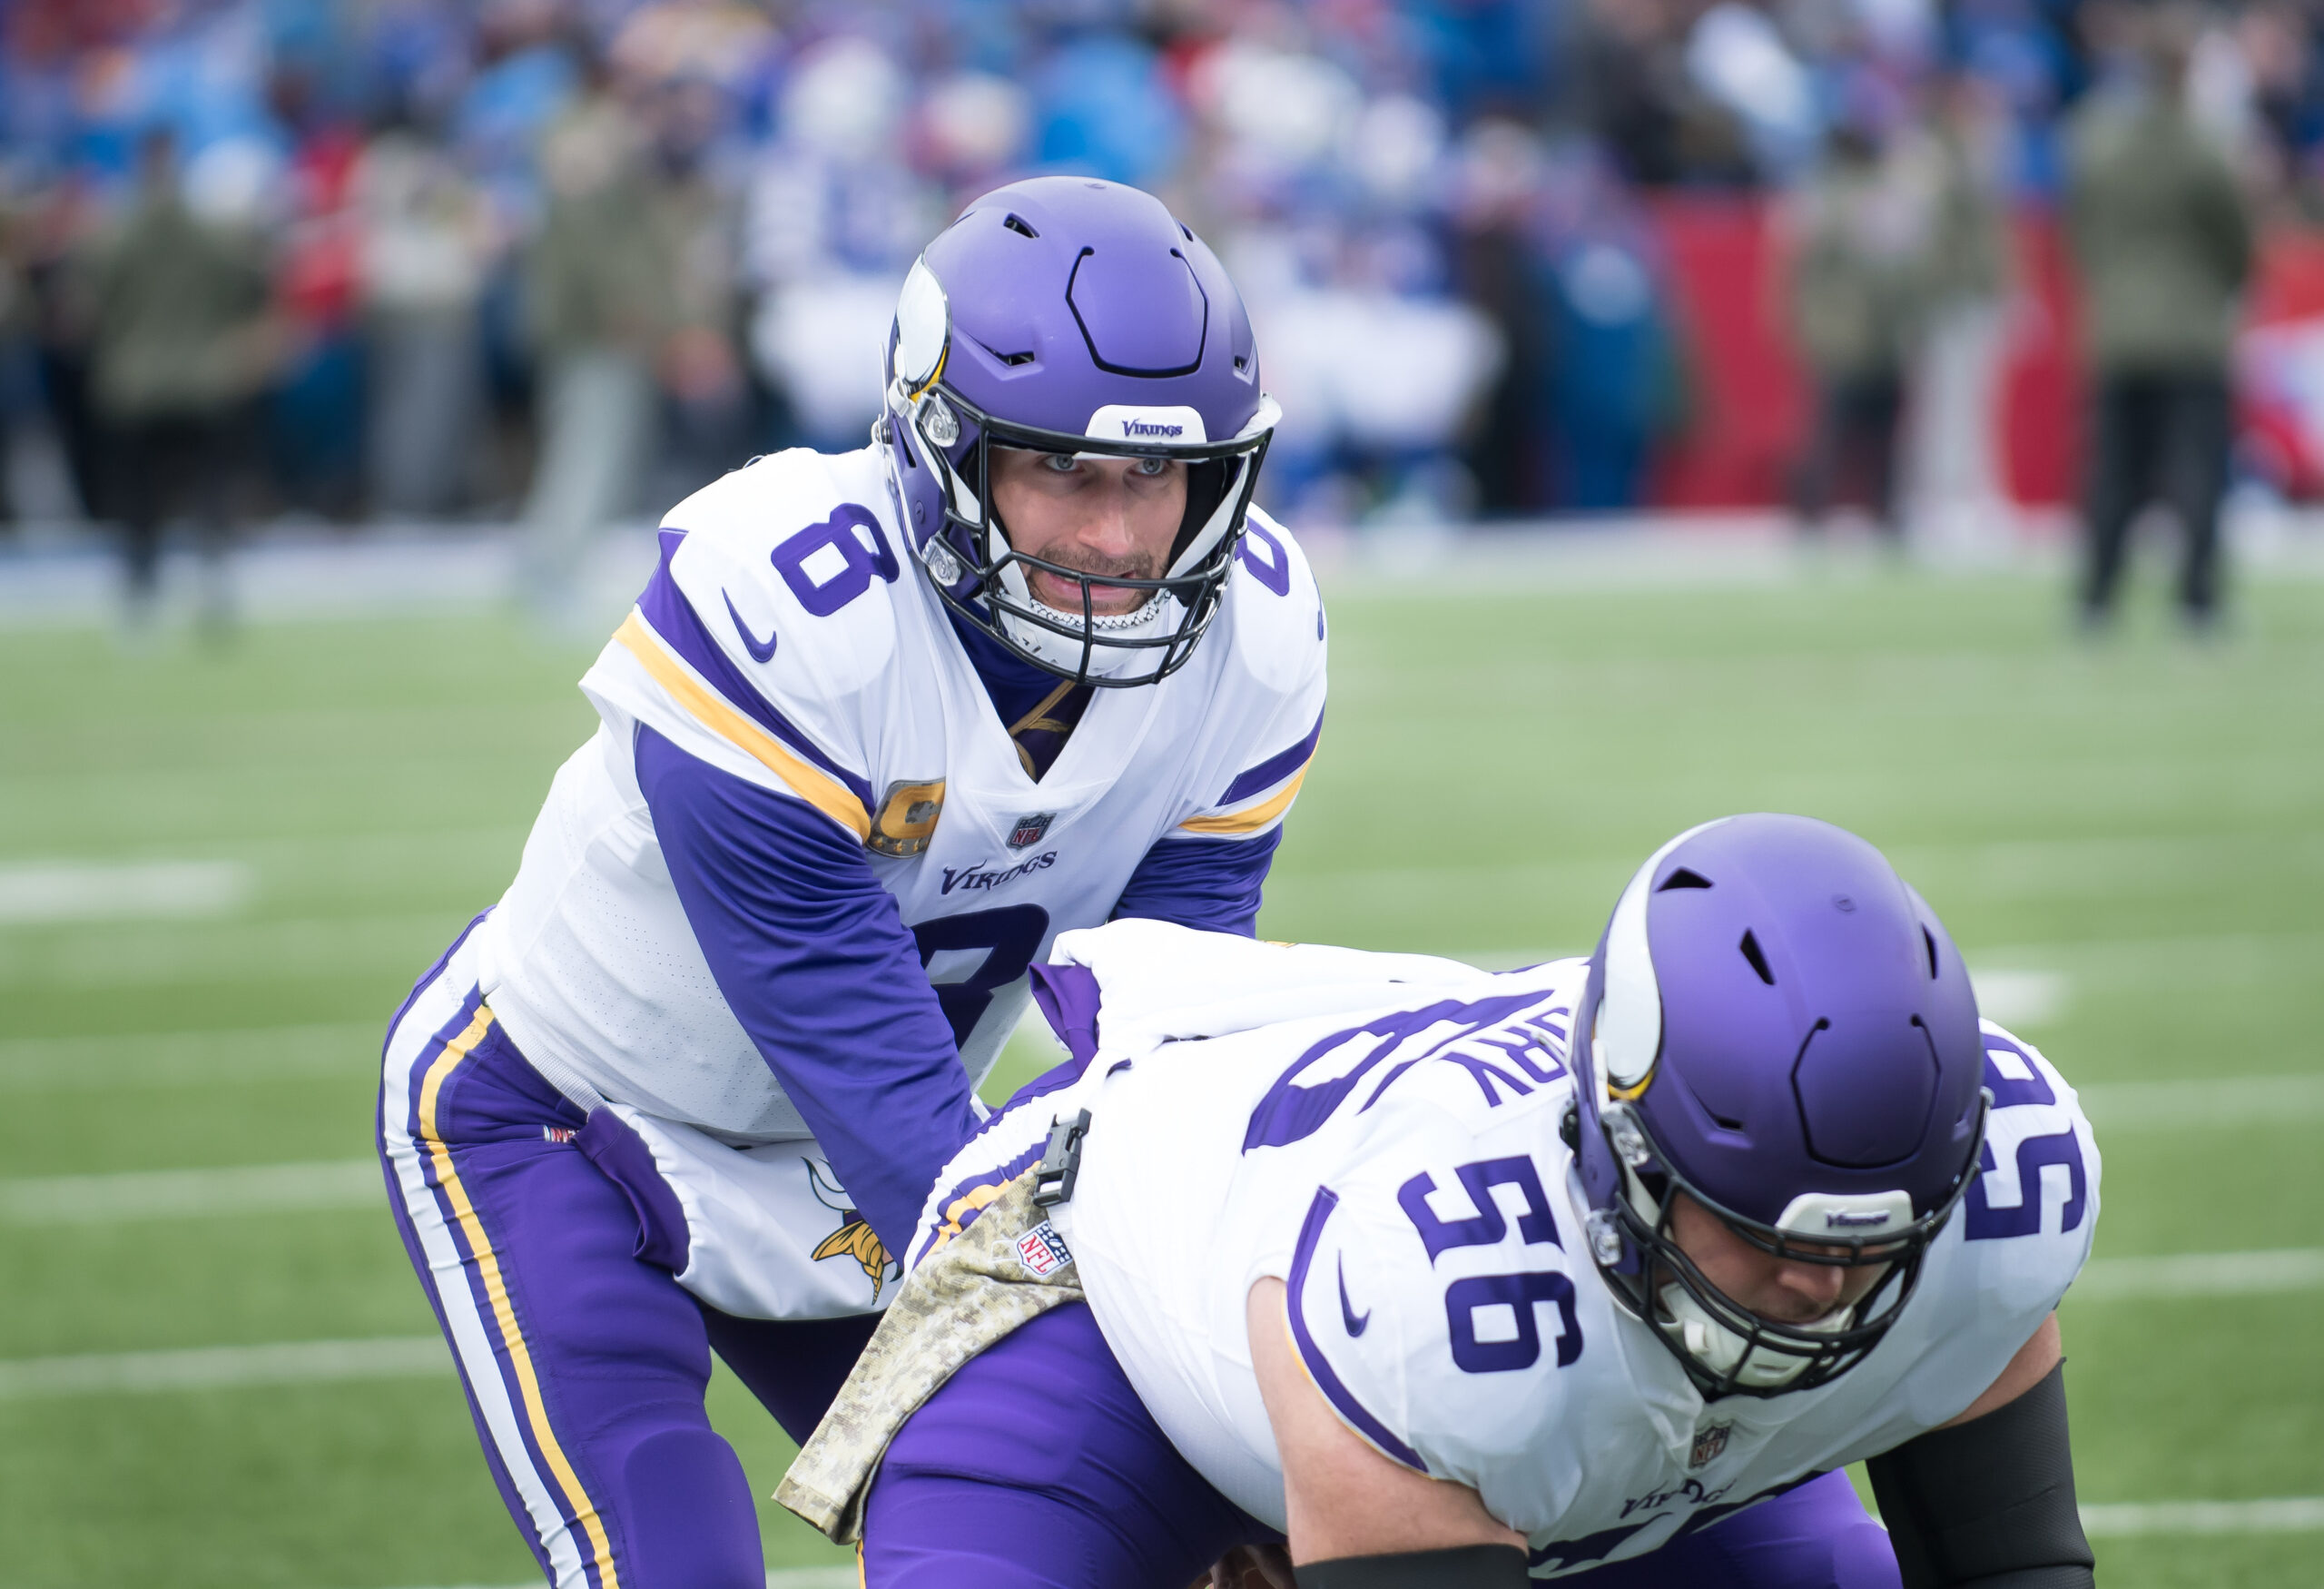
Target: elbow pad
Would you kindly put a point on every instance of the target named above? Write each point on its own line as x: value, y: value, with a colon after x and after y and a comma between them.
x: 1988, y: 1504
x: 1470, y: 1566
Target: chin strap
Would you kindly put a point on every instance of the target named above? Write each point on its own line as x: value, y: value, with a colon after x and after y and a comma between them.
x: 1988, y: 1504
x: 1470, y: 1566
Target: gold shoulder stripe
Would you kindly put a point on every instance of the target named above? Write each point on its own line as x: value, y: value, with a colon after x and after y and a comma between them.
x: 1252, y: 818
x: 810, y: 783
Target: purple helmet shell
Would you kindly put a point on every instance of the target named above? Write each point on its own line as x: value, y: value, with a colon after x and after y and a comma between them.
x: 1064, y: 314
x: 1778, y: 1026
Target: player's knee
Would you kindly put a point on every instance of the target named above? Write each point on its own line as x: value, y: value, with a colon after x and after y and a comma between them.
x: 687, y: 1515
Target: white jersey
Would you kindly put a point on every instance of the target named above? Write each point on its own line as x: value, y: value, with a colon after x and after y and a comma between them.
x: 1382, y: 1132
x: 789, y: 642
x: 885, y: 727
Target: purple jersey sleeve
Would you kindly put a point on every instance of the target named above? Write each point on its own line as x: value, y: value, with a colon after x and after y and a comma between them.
x: 1213, y: 885
x: 814, y: 958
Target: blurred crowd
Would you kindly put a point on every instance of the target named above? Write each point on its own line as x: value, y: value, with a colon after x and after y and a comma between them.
x: 564, y: 260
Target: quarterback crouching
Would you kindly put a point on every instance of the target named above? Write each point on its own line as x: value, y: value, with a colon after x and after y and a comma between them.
x: 1601, y: 1269
x: 882, y: 725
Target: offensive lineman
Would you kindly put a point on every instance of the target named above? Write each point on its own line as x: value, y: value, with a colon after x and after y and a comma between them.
x: 687, y: 1084
x: 1599, y: 1268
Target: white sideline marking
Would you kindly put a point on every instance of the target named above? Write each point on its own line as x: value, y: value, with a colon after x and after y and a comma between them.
x: 186, y: 1059
x: 2294, y: 1515
x: 2201, y: 1274
x: 188, y: 1194
x: 419, y: 1357
x: 41, y: 892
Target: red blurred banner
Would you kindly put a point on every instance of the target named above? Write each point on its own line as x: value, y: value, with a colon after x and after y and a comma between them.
x: 1751, y: 407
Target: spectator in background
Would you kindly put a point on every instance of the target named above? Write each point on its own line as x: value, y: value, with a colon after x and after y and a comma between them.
x: 1616, y: 375
x: 425, y: 242
x: 1955, y: 494
x: 60, y: 272
x: 706, y: 400
x: 833, y: 220
x: 182, y: 344
x: 315, y: 412
x: 19, y: 367
x: 1852, y: 240
x: 2162, y: 244
x: 599, y: 301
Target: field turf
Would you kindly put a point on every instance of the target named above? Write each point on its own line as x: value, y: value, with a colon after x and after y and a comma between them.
x: 2134, y: 829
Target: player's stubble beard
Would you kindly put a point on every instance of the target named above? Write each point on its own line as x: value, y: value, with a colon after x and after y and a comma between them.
x: 1054, y: 592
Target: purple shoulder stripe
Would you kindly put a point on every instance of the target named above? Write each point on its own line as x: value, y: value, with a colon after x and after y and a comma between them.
x: 668, y: 613
x: 1327, y: 1380
x: 1275, y: 768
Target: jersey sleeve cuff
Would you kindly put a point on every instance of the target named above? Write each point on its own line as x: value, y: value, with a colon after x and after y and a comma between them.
x: 1326, y: 1379
x: 1261, y: 795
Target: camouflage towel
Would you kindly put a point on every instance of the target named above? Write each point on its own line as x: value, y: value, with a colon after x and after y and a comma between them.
x: 1005, y: 1269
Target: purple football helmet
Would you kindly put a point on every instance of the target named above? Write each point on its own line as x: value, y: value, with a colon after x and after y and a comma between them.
x: 1067, y: 315
x: 1779, y: 1027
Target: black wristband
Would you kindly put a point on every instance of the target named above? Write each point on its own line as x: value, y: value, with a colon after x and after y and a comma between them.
x: 1470, y: 1566
x: 1989, y: 1503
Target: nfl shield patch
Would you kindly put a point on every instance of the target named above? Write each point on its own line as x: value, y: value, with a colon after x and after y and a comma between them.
x: 1029, y: 829
x: 1042, y: 1250
x: 1710, y: 1444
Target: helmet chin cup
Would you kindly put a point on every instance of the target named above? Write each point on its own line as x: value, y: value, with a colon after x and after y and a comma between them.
x: 1729, y: 1354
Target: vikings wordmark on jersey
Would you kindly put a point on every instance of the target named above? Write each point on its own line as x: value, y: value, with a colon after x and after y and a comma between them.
x: 882, y: 725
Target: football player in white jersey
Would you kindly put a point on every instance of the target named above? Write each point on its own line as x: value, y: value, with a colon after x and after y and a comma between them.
x: 879, y: 728
x: 1599, y: 1269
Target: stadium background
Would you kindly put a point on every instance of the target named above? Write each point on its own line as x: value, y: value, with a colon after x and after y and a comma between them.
x: 225, y: 854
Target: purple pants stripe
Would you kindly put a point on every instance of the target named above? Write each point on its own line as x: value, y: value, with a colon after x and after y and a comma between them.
x: 585, y: 1365
x: 1036, y: 1468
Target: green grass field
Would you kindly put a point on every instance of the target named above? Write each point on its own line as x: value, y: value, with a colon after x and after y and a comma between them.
x: 2134, y: 830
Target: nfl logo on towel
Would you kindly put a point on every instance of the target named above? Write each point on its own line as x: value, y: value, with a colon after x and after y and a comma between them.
x: 1042, y: 1250
x: 1029, y: 829
x: 1710, y: 1444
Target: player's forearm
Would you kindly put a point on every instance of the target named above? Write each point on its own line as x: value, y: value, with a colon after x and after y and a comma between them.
x: 813, y: 959
x: 1988, y: 1504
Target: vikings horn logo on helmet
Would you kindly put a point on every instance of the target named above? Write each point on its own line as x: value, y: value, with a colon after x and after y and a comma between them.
x: 854, y: 1237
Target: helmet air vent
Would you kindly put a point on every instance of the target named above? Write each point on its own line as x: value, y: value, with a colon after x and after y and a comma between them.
x: 1929, y: 939
x: 1024, y: 358
x: 1018, y: 224
x: 1750, y: 947
x: 1684, y: 878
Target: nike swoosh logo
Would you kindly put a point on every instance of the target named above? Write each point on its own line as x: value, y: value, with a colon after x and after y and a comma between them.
x: 759, y: 653
x: 1348, y: 1314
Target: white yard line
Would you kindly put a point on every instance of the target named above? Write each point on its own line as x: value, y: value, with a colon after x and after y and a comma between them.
x: 2294, y: 1515
x: 186, y: 1194
x: 187, y: 1059
x: 2232, y: 1101
x: 40, y: 892
x: 2201, y: 1274
x: 419, y: 1357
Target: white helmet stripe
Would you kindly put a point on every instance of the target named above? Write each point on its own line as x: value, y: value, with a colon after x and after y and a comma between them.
x: 1627, y: 1035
